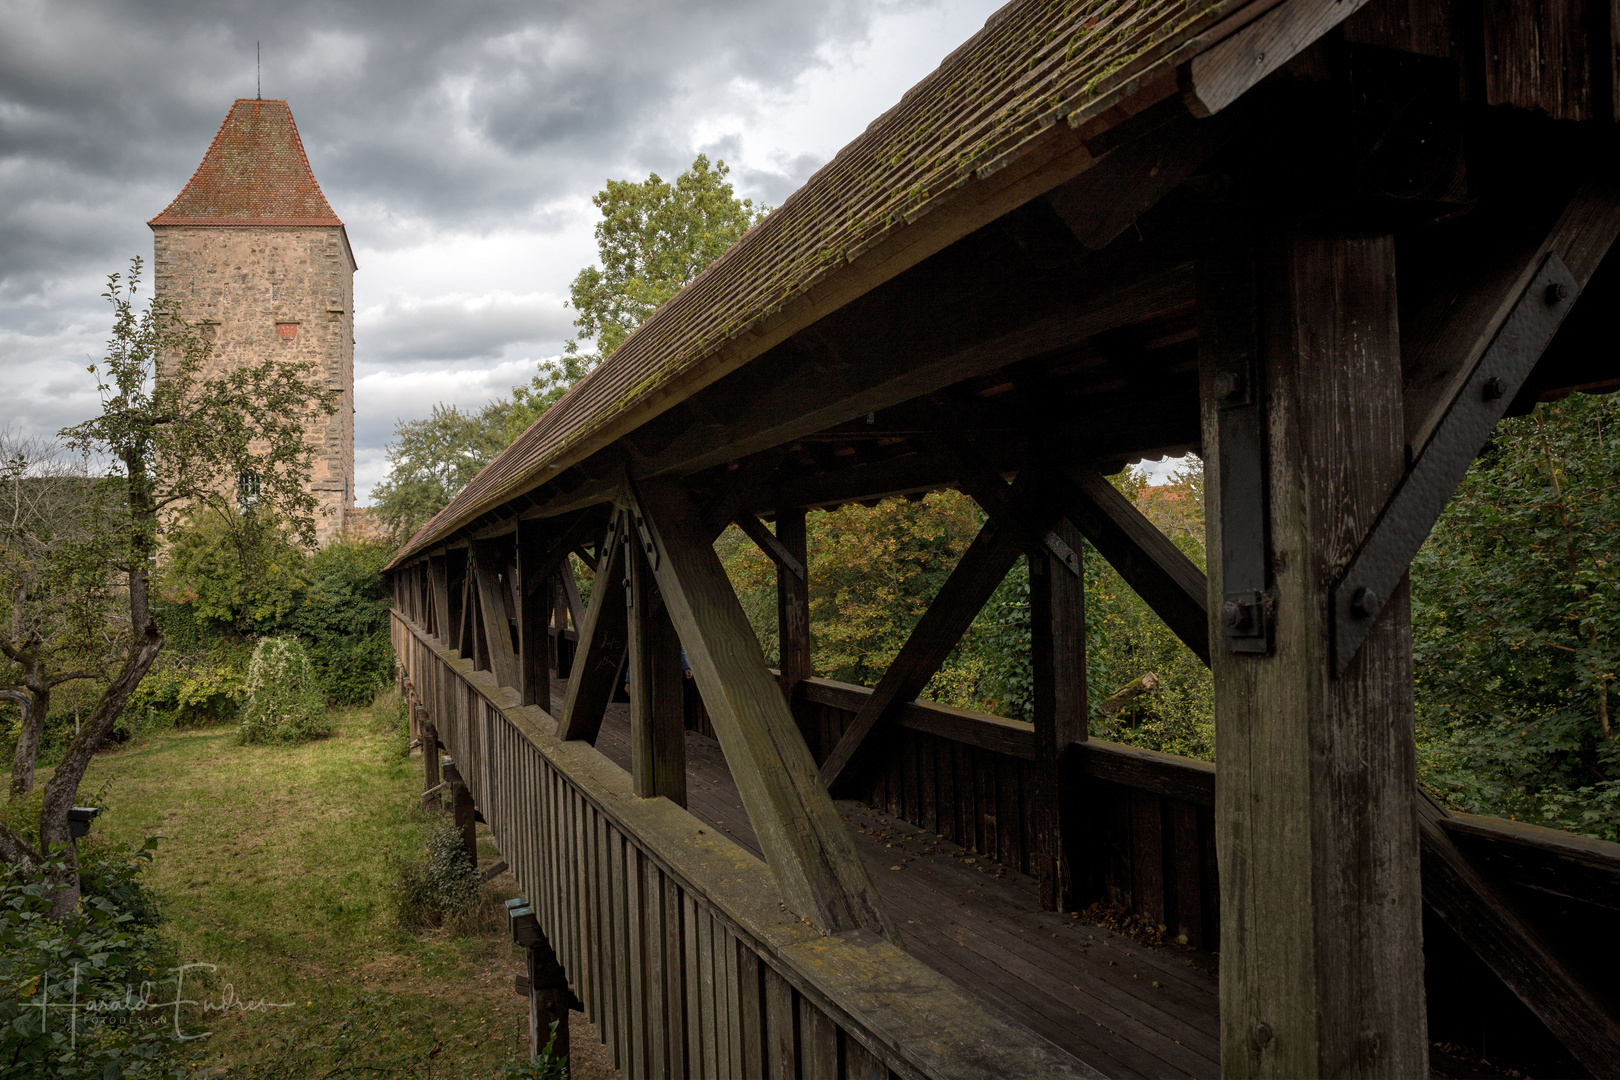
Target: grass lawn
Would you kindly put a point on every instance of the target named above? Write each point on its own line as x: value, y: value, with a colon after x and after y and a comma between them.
x: 274, y: 868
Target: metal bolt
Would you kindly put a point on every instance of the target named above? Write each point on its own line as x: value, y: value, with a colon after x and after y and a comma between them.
x: 1494, y: 388
x: 1233, y: 612
x: 1227, y: 384
x: 1366, y: 602
x: 1556, y: 293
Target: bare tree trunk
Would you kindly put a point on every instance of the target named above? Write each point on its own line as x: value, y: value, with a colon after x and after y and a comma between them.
x: 36, y: 707
x: 55, y: 832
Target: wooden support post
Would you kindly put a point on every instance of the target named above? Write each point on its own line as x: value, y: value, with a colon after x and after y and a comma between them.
x: 441, y: 597
x: 543, y: 982
x: 559, y: 617
x: 548, y: 1000
x: 430, y: 757
x: 455, y: 561
x: 1057, y: 619
x: 462, y: 811
x: 657, y: 704
x: 474, y: 638
x: 793, y: 603
x: 1316, y: 830
x: 534, y: 609
x: 809, y: 850
x: 982, y: 568
x: 602, y: 643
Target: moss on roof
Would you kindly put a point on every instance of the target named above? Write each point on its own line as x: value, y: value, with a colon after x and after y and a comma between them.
x: 1035, y: 63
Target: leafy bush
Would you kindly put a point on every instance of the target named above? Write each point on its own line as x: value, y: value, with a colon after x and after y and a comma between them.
x: 343, y: 619
x: 98, y: 960
x: 1516, y: 625
x: 440, y: 883
x: 283, y: 703
x: 242, y: 572
x: 186, y: 694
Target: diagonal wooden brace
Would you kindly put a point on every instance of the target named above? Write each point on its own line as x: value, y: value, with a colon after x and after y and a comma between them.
x: 1486, y: 345
x: 503, y: 658
x: 1485, y: 921
x: 603, y: 639
x: 982, y: 568
x: 768, y: 543
x: 809, y: 850
x: 1149, y: 562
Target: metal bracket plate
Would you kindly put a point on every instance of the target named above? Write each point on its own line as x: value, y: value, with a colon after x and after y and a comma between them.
x: 1407, y: 518
x: 1248, y: 609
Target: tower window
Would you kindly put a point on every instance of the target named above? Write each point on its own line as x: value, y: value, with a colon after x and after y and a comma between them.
x: 289, y: 330
x: 247, y: 491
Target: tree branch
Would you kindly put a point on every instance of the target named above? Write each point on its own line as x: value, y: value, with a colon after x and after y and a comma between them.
x: 16, y: 851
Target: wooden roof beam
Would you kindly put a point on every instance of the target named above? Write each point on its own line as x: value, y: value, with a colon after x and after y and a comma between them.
x: 1019, y: 289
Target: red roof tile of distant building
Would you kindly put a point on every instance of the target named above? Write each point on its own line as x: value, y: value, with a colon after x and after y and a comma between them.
x: 255, y: 173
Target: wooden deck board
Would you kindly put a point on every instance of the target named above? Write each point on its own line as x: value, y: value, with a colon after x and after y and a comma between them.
x: 1087, y: 989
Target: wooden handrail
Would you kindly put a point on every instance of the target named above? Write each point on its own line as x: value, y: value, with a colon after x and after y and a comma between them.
x: 1149, y: 770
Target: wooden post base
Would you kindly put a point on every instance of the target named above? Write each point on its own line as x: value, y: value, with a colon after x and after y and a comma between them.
x: 548, y: 1000
x: 461, y: 809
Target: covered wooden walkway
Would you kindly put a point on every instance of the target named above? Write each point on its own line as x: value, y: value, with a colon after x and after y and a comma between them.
x: 1326, y: 245
x: 1127, y: 1009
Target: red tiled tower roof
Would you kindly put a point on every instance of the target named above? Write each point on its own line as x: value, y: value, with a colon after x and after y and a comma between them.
x: 255, y: 173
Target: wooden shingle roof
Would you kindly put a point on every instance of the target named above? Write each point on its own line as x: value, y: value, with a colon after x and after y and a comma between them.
x: 967, y: 143
x: 254, y: 173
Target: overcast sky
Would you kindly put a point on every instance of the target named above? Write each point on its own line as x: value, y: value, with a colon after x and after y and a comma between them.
x: 460, y: 144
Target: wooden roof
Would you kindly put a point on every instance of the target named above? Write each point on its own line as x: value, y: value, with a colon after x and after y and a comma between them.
x: 254, y: 173
x: 1004, y: 118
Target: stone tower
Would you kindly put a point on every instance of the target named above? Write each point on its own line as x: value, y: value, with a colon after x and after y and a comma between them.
x: 252, y: 250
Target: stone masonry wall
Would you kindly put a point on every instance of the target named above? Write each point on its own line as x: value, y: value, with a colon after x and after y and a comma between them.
x: 249, y: 286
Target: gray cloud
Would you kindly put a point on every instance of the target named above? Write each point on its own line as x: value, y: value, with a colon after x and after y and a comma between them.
x: 460, y: 144
x: 468, y: 113
x: 451, y: 328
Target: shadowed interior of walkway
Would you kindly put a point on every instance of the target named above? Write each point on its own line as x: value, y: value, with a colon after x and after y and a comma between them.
x: 1126, y: 1009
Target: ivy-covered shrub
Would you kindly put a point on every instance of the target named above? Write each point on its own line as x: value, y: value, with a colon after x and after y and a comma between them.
x: 439, y: 883
x: 343, y: 620
x: 284, y: 702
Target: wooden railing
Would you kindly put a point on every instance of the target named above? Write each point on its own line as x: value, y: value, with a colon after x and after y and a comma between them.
x: 969, y: 777
x: 1151, y: 845
x: 674, y: 938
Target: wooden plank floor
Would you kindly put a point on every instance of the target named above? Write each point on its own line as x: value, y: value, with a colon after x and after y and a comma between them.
x: 1125, y: 1009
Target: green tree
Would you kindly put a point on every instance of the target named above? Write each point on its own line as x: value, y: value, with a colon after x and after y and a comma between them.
x: 343, y: 619
x: 1516, y: 624
x: 242, y: 571
x: 55, y: 608
x: 654, y: 237
x: 431, y: 460
x: 174, y: 441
